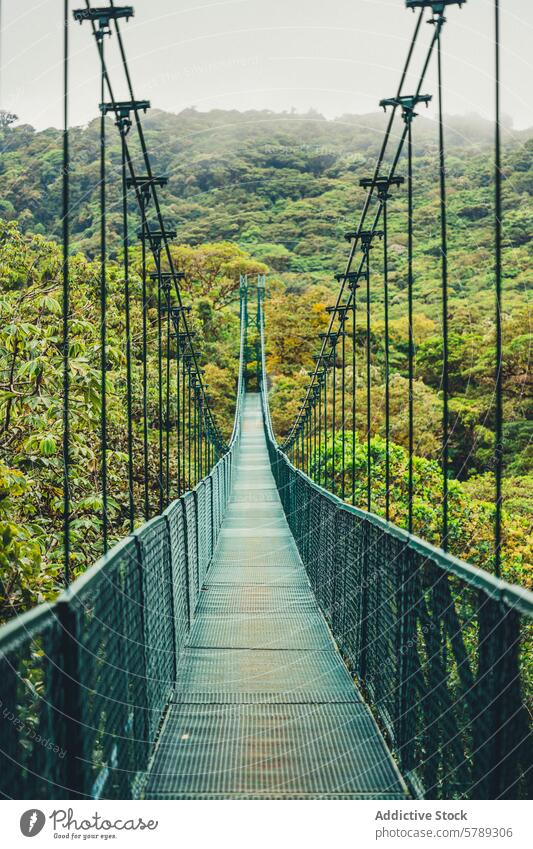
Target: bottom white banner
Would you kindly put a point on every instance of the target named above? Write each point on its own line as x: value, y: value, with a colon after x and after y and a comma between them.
x: 274, y: 824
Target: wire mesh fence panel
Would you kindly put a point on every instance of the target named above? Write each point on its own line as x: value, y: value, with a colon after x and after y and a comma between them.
x: 438, y: 646
x: 204, y: 520
x: 85, y: 683
x: 104, y: 675
x: 175, y: 518
x: 441, y: 649
x: 215, y: 501
x: 153, y: 541
x: 189, y: 503
x: 32, y: 738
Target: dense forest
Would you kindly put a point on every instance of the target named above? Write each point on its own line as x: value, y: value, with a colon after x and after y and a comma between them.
x: 262, y: 193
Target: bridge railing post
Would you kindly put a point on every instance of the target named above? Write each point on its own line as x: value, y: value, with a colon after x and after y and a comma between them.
x: 502, y: 741
x: 407, y: 593
x: 70, y: 690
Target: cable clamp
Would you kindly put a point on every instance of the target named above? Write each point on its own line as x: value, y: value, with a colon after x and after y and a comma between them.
x: 407, y: 103
x: 382, y: 184
x: 102, y: 16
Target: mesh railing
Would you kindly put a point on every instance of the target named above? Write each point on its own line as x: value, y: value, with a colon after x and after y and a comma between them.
x: 441, y: 650
x: 84, y: 682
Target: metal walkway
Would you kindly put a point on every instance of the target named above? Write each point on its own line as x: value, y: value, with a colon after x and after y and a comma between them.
x: 264, y: 707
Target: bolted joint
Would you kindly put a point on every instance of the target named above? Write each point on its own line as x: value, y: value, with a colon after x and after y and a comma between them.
x: 102, y: 17
x: 437, y: 7
x: 123, y: 110
x: 407, y: 103
x: 156, y: 237
x: 365, y: 236
x: 382, y: 184
x: 144, y: 186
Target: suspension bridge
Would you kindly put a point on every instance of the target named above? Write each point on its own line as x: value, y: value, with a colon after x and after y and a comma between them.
x: 260, y: 634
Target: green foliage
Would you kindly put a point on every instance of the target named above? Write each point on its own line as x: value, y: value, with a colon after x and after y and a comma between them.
x: 254, y: 192
x: 470, y: 517
x: 31, y: 387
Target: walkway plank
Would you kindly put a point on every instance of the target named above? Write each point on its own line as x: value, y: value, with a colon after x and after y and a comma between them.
x: 264, y: 707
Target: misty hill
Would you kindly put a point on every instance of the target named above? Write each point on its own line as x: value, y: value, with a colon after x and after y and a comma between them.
x: 285, y: 187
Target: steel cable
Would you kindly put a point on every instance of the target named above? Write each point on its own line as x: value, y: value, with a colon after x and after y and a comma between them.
x: 66, y: 300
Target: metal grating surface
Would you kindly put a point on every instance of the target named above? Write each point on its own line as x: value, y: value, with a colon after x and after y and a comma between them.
x: 238, y: 698
x: 258, y: 495
x: 265, y: 524
x: 270, y: 749
x: 264, y: 707
x: 221, y: 573
x: 240, y: 554
x: 247, y: 670
x: 256, y: 631
x: 255, y: 599
x: 253, y: 511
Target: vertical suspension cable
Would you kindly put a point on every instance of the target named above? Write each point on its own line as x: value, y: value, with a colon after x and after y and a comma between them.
x: 195, y: 444
x: 498, y: 317
x: 206, y: 444
x: 160, y: 382
x: 334, y: 415
x: 354, y: 388
x: 144, y: 200
x: 190, y: 483
x: 66, y: 301
x: 309, y: 440
x: 313, y: 439
x: 100, y: 35
x: 326, y: 368
x: 125, y: 232
x: 319, y: 457
x: 312, y: 417
x: 306, y: 441
x: 178, y: 402
x: 200, y: 436
x: 444, y: 284
x: 167, y: 400
x: 410, y: 315
x: 368, y: 385
x: 387, y: 354
x: 184, y: 426
x: 302, y: 437
x: 342, y: 316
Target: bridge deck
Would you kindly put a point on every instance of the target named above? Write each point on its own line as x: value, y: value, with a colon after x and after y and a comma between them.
x: 264, y: 707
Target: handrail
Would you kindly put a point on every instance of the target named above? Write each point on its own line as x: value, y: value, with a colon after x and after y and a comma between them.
x: 439, y: 647
x: 106, y: 651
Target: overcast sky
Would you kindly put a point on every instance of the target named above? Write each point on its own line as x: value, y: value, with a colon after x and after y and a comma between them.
x: 337, y: 56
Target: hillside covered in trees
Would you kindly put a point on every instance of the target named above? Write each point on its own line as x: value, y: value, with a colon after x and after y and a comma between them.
x: 248, y: 193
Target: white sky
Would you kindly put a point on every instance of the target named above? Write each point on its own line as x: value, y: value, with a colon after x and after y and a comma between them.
x: 337, y: 56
